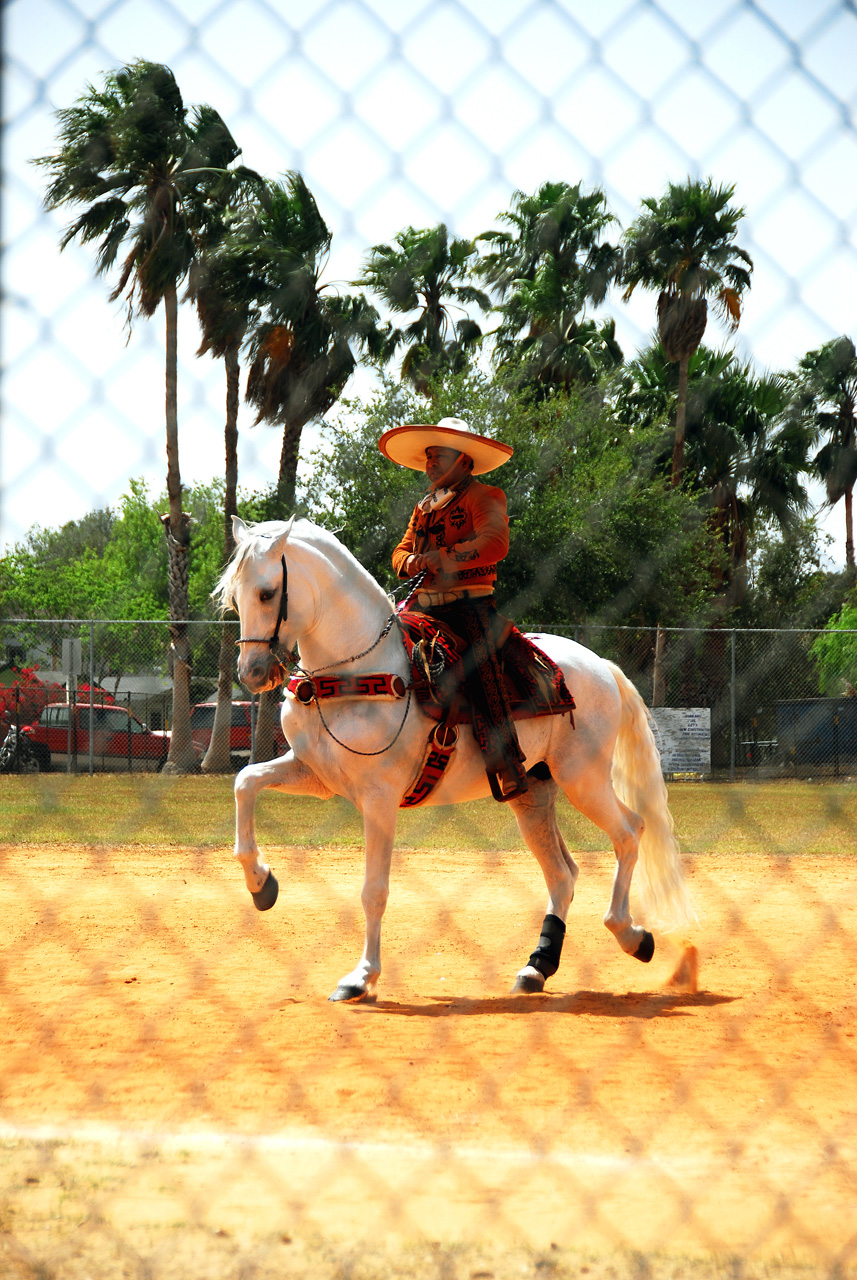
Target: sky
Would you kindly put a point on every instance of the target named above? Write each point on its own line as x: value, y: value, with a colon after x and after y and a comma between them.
x: 411, y: 112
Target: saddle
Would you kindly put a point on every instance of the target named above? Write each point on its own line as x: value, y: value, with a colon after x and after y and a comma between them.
x: 535, y: 685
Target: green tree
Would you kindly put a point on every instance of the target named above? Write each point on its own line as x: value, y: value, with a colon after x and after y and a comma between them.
x: 835, y: 653
x: 789, y: 584
x: 596, y: 533
x: 545, y: 272
x: 683, y: 245
x: 144, y: 169
x: 302, y: 334
x: 427, y: 272
x: 826, y: 396
x: 59, y: 573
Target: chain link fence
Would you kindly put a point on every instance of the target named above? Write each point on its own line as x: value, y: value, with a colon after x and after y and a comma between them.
x: 177, y: 1097
x: 727, y: 704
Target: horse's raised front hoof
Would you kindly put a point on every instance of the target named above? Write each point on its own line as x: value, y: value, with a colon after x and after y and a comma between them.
x: 351, y: 995
x: 265, y: 898
x: 529, y: 982
x: 646, y: 949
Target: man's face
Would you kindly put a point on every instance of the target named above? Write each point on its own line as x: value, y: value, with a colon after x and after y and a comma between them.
x: 439, y: 461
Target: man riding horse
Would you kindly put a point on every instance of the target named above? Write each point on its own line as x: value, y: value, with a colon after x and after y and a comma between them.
x: 457, y: 534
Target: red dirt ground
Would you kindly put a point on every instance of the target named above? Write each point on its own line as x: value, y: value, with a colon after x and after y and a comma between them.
x: 145, y: 1007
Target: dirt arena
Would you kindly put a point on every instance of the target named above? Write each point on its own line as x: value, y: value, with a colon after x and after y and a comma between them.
x: 171, y: 1066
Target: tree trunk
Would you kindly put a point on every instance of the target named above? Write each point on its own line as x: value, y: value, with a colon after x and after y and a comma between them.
x: 848, y: 498
x: 217, y: 757
x: 181, y: 757
x: 288, y: 477
x: 737, y: 587
x: 680, y: 419
x: 267, y: 712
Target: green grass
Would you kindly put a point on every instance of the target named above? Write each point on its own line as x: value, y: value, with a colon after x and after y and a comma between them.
x: 117, y: 809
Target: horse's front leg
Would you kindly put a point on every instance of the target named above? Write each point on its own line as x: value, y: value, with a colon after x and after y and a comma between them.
x: 379, y: 828
x: 286, y: 773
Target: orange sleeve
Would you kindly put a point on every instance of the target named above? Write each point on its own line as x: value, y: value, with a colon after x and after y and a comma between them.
x: 405, y: 549
x: 489, y: 541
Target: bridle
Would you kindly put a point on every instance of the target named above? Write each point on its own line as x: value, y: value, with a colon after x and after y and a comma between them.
x: 274, y: 643
x: 282, y: 616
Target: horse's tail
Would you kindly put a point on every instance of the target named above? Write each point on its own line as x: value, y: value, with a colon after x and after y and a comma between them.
x: 639, y: 783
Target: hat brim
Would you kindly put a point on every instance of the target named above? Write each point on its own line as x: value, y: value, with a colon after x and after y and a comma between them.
x: 407, y: 446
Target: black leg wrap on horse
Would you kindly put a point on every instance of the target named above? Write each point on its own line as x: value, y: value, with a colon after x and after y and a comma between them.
x: 546, y: 956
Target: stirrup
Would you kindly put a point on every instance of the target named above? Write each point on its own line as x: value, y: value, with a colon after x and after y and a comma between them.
x: 518, y: 788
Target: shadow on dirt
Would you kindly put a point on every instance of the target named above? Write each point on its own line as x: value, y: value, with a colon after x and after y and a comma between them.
x: 599, y: 1004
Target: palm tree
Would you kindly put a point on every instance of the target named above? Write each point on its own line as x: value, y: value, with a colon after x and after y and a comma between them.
x: 643, y: 390
x: 683, y: 246
x: 224, y: 297
x: 303, y: 334
x: 746, y: 453
x: 143, y: 169
x: 545, y: 272
x: 826, y: 388
x: 427, y: 272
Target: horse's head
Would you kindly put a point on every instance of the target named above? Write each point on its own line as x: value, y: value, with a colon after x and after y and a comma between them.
x: 259, y: 584
x: 296, y: 582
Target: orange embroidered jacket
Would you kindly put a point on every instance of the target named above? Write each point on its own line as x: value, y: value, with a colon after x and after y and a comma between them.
x: 471, y: 531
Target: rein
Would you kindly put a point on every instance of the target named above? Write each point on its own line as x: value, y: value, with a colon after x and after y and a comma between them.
x: 341, y: 663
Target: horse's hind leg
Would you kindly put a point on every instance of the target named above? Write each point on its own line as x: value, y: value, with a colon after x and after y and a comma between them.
x: 624, y: 828
x: 536, y: 815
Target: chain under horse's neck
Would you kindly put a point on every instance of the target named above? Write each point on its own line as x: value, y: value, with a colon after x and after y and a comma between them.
x: 351, y: 618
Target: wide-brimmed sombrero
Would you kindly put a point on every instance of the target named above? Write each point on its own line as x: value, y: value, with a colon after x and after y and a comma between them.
x: 407, y: 445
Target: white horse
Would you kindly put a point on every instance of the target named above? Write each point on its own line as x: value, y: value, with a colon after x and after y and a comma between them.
x: 295, y: 583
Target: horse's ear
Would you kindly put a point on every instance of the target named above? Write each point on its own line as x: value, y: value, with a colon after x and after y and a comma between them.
x: 239, y: 530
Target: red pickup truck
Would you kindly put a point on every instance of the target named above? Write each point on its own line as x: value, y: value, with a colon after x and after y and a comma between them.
x: 119, y: 739
x: 202, y: 723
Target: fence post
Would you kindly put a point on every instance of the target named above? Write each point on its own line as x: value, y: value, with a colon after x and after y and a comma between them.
x: 91, y: 696
x: 732, y: 715
x: 252, y: 728
x: 657, y: 669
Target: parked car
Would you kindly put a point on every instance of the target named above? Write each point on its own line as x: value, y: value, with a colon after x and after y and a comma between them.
x: 202, y: 723
x: 119, y: 739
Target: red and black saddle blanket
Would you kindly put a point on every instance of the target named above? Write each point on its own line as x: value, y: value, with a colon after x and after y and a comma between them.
x: 535, y: 685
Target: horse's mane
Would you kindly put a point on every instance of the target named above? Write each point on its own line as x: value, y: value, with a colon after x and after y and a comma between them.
x: 266, y: 536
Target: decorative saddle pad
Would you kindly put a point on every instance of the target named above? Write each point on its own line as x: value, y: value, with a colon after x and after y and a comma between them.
x: 534, y: 683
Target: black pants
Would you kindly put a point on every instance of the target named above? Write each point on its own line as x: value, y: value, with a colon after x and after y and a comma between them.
x: 477, y: 621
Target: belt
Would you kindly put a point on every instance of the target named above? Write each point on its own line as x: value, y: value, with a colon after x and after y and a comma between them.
x: 431, y: 599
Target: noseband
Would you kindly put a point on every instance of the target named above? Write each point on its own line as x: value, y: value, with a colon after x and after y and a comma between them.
x: 282, y: 616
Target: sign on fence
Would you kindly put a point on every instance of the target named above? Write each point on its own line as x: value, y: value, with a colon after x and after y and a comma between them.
x: 683, y: 735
